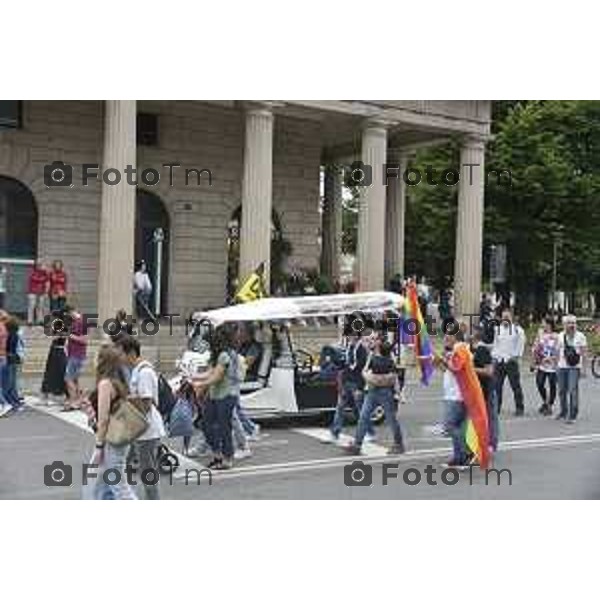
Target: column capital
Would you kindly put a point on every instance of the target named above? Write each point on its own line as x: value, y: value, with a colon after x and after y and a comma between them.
x: 265, y: 107
x: 381, y: 124
x: 476, y: 141
x: 398, y: 154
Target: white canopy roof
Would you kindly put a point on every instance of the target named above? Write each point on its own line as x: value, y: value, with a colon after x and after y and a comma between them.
x: 300, y: 308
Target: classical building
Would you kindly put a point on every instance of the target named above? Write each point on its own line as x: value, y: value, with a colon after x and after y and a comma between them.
x: 257, y: 162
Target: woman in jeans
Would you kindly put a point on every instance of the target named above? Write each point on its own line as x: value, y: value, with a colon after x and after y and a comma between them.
x: 13, y: 360
x: 223, y: 386
x: 545, y: 362
x: 380, y: 376
x: 110, y: 388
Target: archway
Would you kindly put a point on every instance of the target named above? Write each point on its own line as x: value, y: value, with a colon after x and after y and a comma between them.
x: 18, y: 241
x: 150, y: 215
x: 280, y: 249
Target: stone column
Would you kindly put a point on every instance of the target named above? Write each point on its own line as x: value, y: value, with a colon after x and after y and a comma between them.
x: 395, y: 216
x: 469, y: 233
x: 371, y: 218
x: 117, y: 215
x: 331, y: 228
x: 257, y: 192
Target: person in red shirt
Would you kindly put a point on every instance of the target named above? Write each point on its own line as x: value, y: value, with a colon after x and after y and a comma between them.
x: 58, y: 286
x: 37, y: 291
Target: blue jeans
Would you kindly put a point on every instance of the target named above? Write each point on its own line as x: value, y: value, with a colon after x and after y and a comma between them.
x: 247, y: 423
x: 8, y: 382
x: 351, y: 397
x: 456, y: 416
x: 218, y: 416
x: 114, y: 458
x: 379, y: 396
x: 568, y: 385
x: 493, y: 421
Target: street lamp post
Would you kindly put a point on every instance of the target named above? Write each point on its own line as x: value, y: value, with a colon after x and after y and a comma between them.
x: 556, y: 239
x: 159, y: 236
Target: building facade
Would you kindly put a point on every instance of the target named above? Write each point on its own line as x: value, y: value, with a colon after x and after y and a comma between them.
x: 253, y: 161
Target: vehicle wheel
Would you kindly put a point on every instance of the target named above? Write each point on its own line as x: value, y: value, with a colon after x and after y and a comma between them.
x: 378, y: 415
x: 596, y: 366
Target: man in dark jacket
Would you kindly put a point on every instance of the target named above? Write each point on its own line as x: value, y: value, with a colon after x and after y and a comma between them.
x: 352, y: 387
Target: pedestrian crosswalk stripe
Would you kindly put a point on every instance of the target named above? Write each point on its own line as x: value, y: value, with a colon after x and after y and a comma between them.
x: 323, y: 435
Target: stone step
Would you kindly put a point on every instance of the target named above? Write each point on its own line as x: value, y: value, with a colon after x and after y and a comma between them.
x: 163, y: 349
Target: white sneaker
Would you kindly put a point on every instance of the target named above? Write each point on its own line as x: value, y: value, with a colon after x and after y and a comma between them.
x: 4, y: 410
x: 198, y: 451
x: 330, y: 438
x: 370, y: 438
x: 255, y: 436
x: 242, y: 453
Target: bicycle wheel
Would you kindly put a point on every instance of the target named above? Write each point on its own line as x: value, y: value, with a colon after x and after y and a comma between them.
x: 596, y: 366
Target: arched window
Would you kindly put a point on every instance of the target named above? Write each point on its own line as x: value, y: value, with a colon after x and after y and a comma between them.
x: 18, y: 242
x: 280, y: 248
x: 18, y: 220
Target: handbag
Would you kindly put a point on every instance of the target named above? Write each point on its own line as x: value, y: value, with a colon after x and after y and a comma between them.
x: 127, y: 422
x: 572, y: 357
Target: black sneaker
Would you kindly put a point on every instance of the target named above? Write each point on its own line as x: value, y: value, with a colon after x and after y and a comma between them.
x: 214, y: 463
x: 397, y: 449
x: 520, y: 412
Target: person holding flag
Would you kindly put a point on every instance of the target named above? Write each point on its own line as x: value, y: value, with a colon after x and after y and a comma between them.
x: 466, y: 418
x: 413, y: 325
x: 253, y: 288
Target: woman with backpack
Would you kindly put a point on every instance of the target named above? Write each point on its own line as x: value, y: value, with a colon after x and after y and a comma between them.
x: 223, y: 384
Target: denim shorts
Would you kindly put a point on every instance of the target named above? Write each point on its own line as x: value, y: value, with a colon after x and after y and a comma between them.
x: 74, y: 368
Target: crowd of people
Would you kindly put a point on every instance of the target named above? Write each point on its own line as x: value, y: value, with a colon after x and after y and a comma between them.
x: 372, y: 377
x: 211, y: 398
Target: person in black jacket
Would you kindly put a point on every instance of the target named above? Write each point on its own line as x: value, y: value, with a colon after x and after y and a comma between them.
x: 53, y: 382
x: 484, y: 367
x: 352, y: 387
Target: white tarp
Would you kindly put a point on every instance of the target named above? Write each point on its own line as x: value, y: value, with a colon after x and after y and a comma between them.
x: 305, y: 307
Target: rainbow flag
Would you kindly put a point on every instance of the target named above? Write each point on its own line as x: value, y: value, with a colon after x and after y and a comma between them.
x: 476, y: 434
x: 414, y: 319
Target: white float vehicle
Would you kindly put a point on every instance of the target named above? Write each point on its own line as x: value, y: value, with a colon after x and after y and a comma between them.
x: 288, y: 381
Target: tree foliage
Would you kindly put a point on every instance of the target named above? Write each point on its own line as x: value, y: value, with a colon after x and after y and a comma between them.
x: 552, y: 149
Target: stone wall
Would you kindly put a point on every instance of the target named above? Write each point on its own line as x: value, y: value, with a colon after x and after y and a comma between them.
x: 194, y: 134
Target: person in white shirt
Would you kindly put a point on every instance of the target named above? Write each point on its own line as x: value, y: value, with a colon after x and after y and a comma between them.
x: 572, y: 358
x: 508, y: 348
x: 142, y: 289
x: 456, y: 412
x: 143, y: 383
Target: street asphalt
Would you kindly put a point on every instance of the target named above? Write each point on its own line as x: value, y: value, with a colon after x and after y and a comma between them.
x: 547, y: 459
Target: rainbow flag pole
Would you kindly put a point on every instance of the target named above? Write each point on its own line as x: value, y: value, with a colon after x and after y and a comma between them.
x: 422, y: 345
